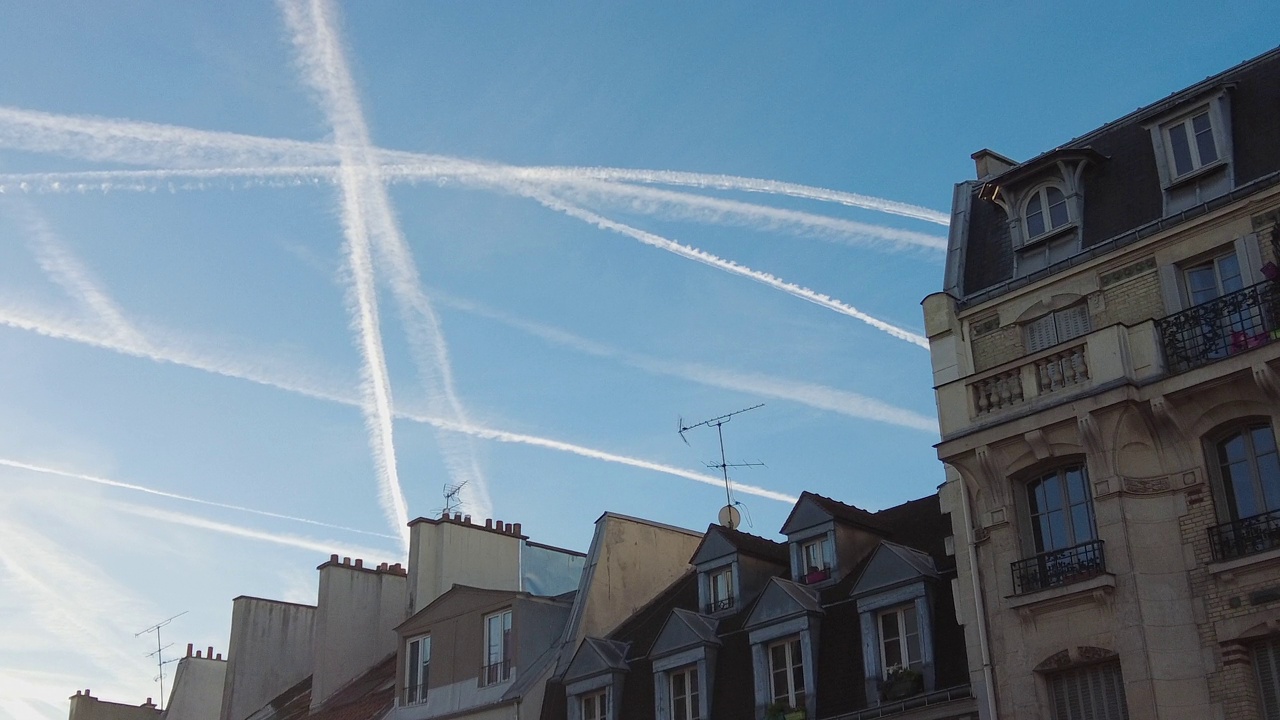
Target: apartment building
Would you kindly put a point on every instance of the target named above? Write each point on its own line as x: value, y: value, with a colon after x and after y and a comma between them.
x: 1106, y: 362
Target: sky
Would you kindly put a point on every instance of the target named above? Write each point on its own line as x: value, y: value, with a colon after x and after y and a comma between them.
x: 274, y: 276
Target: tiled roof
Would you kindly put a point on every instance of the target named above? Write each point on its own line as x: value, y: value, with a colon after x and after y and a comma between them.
x: 754, y: 544
x: 921, y: 525
x: 844, y: 511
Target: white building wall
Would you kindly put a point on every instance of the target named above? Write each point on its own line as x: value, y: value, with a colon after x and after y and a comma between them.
x: 270, y: 652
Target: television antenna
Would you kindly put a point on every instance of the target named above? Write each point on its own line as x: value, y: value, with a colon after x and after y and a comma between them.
x: 452, y: 498
x: 159, y: 653
x: 729, y: 515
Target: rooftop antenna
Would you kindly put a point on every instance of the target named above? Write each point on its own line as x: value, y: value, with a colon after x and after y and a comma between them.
x: 159, y: 653
x: 452, y: 499
x: 729, y: 515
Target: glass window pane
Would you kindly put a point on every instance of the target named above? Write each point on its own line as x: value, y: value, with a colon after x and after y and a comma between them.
x: 1181, y: 149
x: 1076, y: 489
x: 889, y: 625
x: 1057, y: 211
x: 1229, y: 273
x: 1082, y: 523
x: 1204, y: 138
x: 1053, y: 499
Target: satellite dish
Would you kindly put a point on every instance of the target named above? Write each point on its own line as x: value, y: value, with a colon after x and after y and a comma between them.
x: 730, y: 517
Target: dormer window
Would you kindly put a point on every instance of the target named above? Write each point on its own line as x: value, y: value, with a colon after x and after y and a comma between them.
x: 1045, y: 211
x: 1191, y: 143
x: 816, y: 566
x: 720, y: 583
x: 417, y: 670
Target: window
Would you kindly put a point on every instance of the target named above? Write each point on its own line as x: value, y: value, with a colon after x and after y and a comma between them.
x: 814, y: 561
x: 1212, y: 279
x: 1249, y: 469
x: 1266, y: 665
x: 786, y: 673
x: 1057, y: 327
x: 1045, y: 211
x: 1191, y: 144
x: 684, y: 694
x: 1095, y: 692
x: 1061, y: 510
x: 417, y: 670
x: 595, y: 706
x: 900, y: 640
x: 721, y: 589
x: 497, y: 643
x: 1062, y: 533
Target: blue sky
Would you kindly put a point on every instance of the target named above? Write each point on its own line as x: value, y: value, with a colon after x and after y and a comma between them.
x: 198, y: 334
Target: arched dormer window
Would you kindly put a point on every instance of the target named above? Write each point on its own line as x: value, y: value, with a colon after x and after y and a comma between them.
x: 1248, y: 468
x: 1045, y: 211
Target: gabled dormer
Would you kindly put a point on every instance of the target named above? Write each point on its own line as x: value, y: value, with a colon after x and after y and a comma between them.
x: 827, y: 538
x: 593, y: 680
x: 732, y: 568
x: 894, y: 595
x: 784, y: 628
x: 684, y: 663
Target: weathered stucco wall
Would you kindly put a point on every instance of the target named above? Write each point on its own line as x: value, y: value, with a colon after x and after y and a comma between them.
x: 357, y: 611
x: 197, y: 689
x: 270, y: 651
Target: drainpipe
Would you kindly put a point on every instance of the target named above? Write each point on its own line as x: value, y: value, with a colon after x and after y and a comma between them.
x: 978, y: 603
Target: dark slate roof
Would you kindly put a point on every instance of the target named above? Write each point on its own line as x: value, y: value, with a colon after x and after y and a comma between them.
x: 838, y: 511
x: 1123, y: 198
x: 922, y: 525
x: 748, y: 544
x: 369, y: 697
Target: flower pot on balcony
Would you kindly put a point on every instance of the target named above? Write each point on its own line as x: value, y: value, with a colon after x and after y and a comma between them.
x: 795, y: 715
x: 902, y: 684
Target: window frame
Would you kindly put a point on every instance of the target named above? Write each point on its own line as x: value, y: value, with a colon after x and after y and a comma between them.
x: 692, y: 697
x: 899, y: 614
x: 1186, y: 121
x: 499, y: 670
x: 1074, y: 538
x: 1225, y: 495
x: 601, y: 701
x: 714, y: 598
x: 422, y: 677
x: 1098, y: 677
x: 822, y: 572
x: 793, y: 655
x: 1041, y: 193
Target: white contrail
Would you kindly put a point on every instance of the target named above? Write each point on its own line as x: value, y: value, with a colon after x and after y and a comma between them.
x: 733, y: 182
x: 686, y: 206
x: 323, y: 547
x: 817, y: 396
x: 19, y: 465
x: 70, y: 597
x: 266, y: 374
x: 65, y: 269
x: 729, y: 266
x: 315, y: 54
x: 325, y: 66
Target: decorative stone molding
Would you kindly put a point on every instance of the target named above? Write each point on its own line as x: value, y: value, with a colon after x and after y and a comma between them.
x: 1039, y: 444
x: 992, y: 476
x: 1082, y: 655
x: 1147, y: 486
x: 1267, y: 380
x: 1092, y: 591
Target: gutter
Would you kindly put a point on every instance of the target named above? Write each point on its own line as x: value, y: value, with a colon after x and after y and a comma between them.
x: 979, y: 604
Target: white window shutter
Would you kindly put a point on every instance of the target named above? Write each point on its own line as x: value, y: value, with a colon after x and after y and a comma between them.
x: 1170, y: 289
x: 1072, y: 322
x: 1041, y: 333
x: 1250, y: 259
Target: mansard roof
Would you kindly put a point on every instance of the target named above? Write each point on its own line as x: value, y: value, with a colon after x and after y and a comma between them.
x: 369, y: 697
x: 1123, y: 196
x: 890, y: 565
x: 782, y: 598
x: 596, y: 656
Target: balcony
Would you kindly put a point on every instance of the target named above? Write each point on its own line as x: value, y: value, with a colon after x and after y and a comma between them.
x: 815, y: 575
x: 716, y: 606
x: 495, y: 673
x: 1229, y: 325
x: 1246, y: 536
x: 1100, y: 359
x: 1058, y: 567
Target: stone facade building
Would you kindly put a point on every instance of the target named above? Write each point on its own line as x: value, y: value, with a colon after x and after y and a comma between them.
x: 1106, y: 365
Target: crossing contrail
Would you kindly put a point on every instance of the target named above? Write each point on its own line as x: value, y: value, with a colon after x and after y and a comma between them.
x: 729, y: 266
x: 323, y: 71
x: 19, y: 465
x: 328, y: 73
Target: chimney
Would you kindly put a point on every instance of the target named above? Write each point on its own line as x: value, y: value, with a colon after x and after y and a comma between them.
x: 189, y: 645
x: 990, y: 163
x: 515, y: 529
x: 360, y: 562
x: 466, y: 519
x: 488, y: 523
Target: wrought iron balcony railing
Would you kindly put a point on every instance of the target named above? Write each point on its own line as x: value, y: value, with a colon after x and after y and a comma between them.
x: 716, y: 606
x: 1058, y: 567
x: 1228, y: 325
x: 495, y: 673
x: 1245, y: 536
